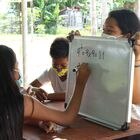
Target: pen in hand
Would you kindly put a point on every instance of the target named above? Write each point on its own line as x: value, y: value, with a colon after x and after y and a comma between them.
x: 76, y: 68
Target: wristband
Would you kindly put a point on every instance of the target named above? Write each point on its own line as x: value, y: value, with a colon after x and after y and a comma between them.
x: 136, y: 66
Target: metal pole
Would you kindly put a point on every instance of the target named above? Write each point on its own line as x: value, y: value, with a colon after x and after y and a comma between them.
x: 137, y: 8
x: 105, y: 10
x: 24, y: 38
x: 93, y: 17
x: 31, y: 24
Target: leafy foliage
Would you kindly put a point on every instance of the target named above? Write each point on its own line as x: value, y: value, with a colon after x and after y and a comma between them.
x: 48, y: 12
x: 122, y: 3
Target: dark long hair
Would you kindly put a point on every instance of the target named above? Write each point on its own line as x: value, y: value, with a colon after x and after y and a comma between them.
x: 11, y: 101
x: 127, y: 21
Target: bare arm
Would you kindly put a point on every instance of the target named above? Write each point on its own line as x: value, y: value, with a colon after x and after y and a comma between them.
x: 136, y: 88
x: 56, y: 96
x: 41, y: 112
x: 42, y: 95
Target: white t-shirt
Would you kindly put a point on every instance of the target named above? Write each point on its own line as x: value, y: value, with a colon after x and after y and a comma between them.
x: 51, y: 76
x: 136, y: 112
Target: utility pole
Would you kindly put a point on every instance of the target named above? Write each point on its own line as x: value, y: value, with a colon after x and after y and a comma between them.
x: 24, y: 39
x: 137, y: 8
x: 93, y: 17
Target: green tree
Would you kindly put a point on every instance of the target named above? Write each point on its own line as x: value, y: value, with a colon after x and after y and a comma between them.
x: 48, y: 12
x: 123, y: 3
x: 47, y: 15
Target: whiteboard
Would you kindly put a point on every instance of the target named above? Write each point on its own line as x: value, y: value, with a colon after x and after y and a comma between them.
x: 107, y: 96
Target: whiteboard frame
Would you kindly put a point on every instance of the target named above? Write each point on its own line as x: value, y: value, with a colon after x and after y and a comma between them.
x: 124, y: 124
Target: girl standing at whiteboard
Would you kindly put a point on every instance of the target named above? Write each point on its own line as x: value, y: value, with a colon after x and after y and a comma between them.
x: 125, y: 24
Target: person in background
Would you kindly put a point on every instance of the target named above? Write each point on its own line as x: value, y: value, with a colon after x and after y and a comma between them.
x: 15, y: 107
x: 125, y: 24
x: 57, y: 74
